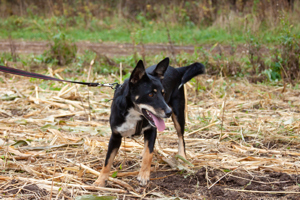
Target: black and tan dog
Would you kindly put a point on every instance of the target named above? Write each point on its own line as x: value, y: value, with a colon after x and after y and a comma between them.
x: 140, y: 104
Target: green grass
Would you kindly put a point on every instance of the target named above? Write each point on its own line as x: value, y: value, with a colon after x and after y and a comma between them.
x: 116, y: 30
x: 282, y: 41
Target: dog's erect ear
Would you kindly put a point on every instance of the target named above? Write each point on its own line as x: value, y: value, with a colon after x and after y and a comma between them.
x: 137, y: 73
x: 161, y: 68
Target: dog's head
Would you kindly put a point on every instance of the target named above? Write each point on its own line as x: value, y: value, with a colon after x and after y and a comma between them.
x: 147, y: 93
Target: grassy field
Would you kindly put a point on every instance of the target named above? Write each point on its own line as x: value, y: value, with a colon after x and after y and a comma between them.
x: 242, y: 131
x: 235, y: 44
x: 123, y: 31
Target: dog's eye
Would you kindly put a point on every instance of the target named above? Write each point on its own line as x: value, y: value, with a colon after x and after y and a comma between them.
x: 151, y: 94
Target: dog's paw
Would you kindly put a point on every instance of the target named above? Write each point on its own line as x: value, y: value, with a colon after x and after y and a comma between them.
x: 100, y: 182
x: 143, y: 178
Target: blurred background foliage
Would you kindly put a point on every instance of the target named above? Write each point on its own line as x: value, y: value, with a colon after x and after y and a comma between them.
x: 119, y: 20
x: 254, y: 38
x: 185, y: 12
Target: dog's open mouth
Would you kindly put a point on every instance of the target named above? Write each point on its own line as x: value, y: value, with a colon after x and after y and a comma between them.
x: 154, y: 120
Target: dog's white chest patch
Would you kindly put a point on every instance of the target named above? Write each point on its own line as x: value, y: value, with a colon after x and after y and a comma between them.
x: 128, y: 128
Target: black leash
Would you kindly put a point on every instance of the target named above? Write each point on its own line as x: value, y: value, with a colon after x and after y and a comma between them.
x: 19, y: 72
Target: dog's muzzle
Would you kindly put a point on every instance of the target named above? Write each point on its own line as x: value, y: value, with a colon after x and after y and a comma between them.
x: 168, y: 112
x: 154, y: 120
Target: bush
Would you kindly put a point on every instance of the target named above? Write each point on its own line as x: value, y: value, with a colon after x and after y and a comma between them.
x: 286, y: 57
x: 62, y: 50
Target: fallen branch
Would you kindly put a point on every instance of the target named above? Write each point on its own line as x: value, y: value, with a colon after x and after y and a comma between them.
x: 221, y: 178
x: 117, y: 181
x: 86, y: 187
x: 200, y: 129
x: 264, y: 192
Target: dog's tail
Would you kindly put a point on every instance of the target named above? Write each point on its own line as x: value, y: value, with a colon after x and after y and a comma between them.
x: 190, y: 71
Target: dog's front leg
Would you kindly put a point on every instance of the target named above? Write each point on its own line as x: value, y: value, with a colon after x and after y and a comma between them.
x: 113, y: 147
x: 149, y: 141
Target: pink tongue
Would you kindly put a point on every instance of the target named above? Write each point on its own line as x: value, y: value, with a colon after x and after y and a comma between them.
x: 159, y: 123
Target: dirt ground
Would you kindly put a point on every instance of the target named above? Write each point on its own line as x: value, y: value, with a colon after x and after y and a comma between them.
x: 195, y: 186
x: 115, y: 49
x: 242, y: 142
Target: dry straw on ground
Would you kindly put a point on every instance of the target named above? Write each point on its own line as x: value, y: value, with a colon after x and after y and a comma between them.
x: 53, y: 141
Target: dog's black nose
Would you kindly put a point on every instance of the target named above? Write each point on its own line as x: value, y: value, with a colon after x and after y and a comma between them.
x: 168, y: 112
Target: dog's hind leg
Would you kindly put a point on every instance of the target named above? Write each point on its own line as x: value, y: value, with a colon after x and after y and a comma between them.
x: 178, y: 106
x: 113, y: 147
x: 180, y: 130
x: 149, y: 141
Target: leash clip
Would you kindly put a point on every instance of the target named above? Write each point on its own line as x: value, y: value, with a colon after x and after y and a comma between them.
x: 113, y: 86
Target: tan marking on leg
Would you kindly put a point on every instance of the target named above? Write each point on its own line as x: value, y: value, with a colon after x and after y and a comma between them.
x: 181, y: 147
x: 181, y: 151
x: 144, y: 175
x: 105, y: 170
x: 145, y: 148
